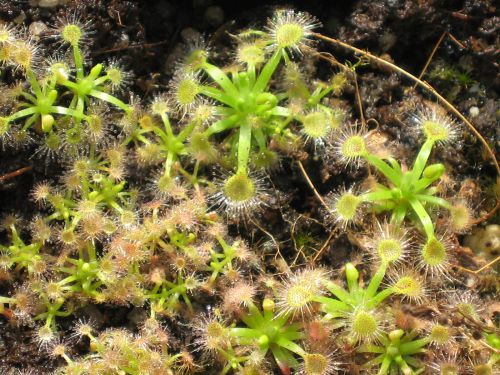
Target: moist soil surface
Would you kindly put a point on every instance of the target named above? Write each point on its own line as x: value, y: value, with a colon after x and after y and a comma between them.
x: 148, y: 38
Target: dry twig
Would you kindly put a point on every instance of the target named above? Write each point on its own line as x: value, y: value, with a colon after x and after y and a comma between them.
x: 15, y: 173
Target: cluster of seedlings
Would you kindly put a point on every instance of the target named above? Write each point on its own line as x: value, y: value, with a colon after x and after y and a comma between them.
x: 98, y: 238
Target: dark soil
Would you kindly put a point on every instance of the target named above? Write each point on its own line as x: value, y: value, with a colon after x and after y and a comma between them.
x: 148, y: 35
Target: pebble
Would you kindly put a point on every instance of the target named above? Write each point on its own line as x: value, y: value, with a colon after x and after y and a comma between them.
x: 20, y: 18
x: 46, y: 3
x: 474, y: 111
x: 190, y: 35
x: 214, y: 16
x: 200, y: 4
x: 49, y: 3
x: 176, y: 55
x: 475, y: 88
x: 485, y: 241
x: 36, y: 29
x: 393, y: 3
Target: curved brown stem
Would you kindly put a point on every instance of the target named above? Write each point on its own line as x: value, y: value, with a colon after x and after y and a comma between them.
x: 16, y: 173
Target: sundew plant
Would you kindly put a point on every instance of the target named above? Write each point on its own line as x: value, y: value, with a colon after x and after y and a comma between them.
x: 168, y: 210
x: 250, y: 109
